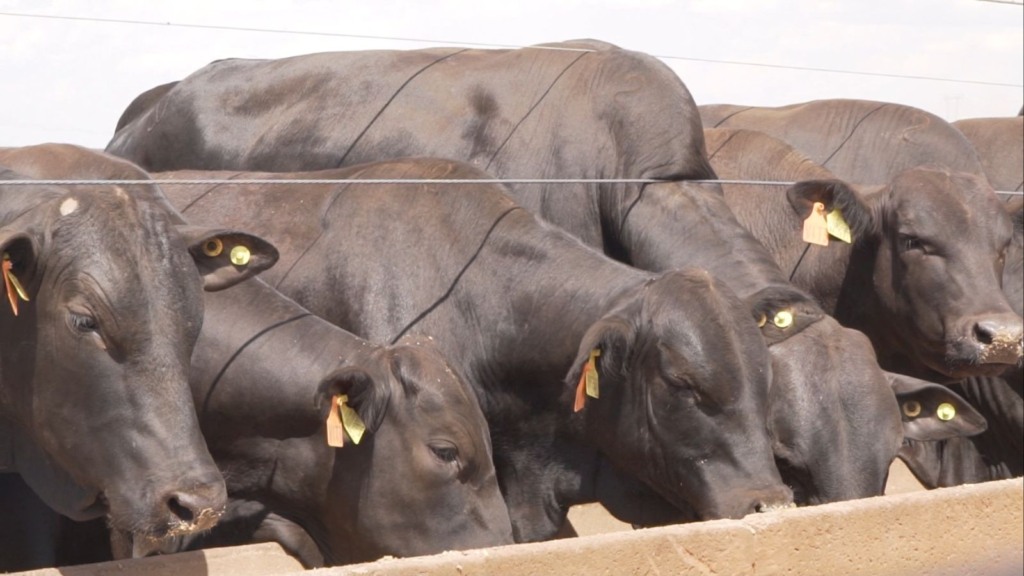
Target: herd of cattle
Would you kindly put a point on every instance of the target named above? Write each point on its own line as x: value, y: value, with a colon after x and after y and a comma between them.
x: 562, y: 305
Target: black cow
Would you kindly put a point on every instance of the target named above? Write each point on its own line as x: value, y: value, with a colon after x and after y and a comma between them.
x: 584, y: 110
x: 530, y: 315
x: 928, y: 297
x: 754, y: 156
x: 263, y: 374
x: 102, y: 308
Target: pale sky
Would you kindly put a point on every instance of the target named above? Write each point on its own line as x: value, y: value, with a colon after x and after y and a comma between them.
x: 68, y: 79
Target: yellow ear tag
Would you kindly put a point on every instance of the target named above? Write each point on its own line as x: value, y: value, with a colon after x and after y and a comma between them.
x: 837, y: 226
x: 591, y: 374
x: 335, y: 430
x: 762, y: 321
x: 240, y: 255
x: 815, y: 227
x: 350, y: 419
x: 783, y: 319
x: 14, y: 288
x: 945, y: 412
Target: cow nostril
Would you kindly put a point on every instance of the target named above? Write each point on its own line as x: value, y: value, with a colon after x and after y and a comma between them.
x: 985, y: 332
x: 762, y: 507
x: 180, y: 511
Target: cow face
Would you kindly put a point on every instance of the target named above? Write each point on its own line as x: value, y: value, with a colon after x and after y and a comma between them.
x: 95, y: 362
x: 683, y: 384
x: 834, y: 423
x: 939, y: 266
x: 936, y: 244
x: 424, y: 470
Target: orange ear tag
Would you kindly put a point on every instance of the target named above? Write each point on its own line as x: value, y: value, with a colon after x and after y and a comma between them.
x: 335, y: 430
x: 815, y: 227
x: 14, y: 288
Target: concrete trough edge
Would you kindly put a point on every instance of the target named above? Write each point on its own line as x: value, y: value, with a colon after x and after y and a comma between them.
x: 966, y: 530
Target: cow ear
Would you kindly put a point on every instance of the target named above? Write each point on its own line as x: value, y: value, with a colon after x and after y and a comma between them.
x: 835, y: 195
x: 226, y: 257
x: 933, y: 412
x: 781, y: 312
x: 366, y: 396
x: 20, y: 249
x: 612, y: 337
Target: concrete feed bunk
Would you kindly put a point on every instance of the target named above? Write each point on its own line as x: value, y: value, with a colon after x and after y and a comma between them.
x: 971, y: 529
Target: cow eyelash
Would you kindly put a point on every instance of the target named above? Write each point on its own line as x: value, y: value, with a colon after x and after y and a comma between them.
x: 446, y: 454
x: 82, y: 322
x: 908, y: 242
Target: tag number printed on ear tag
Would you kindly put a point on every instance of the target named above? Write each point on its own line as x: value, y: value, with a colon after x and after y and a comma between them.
x: 350, y: 420
x: 335, y: 430
x: 815, y: 227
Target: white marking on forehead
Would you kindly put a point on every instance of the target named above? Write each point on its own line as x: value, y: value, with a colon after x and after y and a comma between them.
x: 68, y: 206
x: 121, y: 193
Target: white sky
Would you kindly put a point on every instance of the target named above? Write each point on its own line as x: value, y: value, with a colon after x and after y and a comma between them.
x: 69, y: 80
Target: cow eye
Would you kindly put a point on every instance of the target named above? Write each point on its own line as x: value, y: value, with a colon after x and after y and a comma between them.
x: 82, y: 322
x: 446, y: 454
x: 908, y: 242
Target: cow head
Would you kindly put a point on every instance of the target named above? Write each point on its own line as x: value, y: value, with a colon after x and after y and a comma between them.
x: 683, y: 380
x: 834, y: 422
x: 95, y: 362
x: 935, y: 243
x: 426, y: 456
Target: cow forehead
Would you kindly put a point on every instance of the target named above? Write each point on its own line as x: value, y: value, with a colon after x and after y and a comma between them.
x: 122, y: 246
x: 933, y: 195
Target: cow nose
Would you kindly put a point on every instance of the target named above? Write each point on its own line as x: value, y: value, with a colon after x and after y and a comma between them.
x: 990, y: 331
x: 1000, y: 339
x: 777, y: 499
x: 771, y: 506
x: 195, y: 509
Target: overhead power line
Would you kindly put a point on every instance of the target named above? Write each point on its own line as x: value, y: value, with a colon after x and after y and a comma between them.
x: 491, y: 45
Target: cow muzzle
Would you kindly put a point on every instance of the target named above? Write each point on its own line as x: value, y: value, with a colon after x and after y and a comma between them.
x: 987, y: 345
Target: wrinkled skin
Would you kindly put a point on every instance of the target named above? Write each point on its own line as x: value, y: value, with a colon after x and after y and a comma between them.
x: 262, y: 375
x: 518, y: 113
x: 930, y: 303
x: 94, y: 393
x: 477, y: 272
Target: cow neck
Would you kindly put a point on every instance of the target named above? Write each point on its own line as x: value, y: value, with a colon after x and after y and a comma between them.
x: 255, y: 342
x: 676, y: 225
x: 469, y: 262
